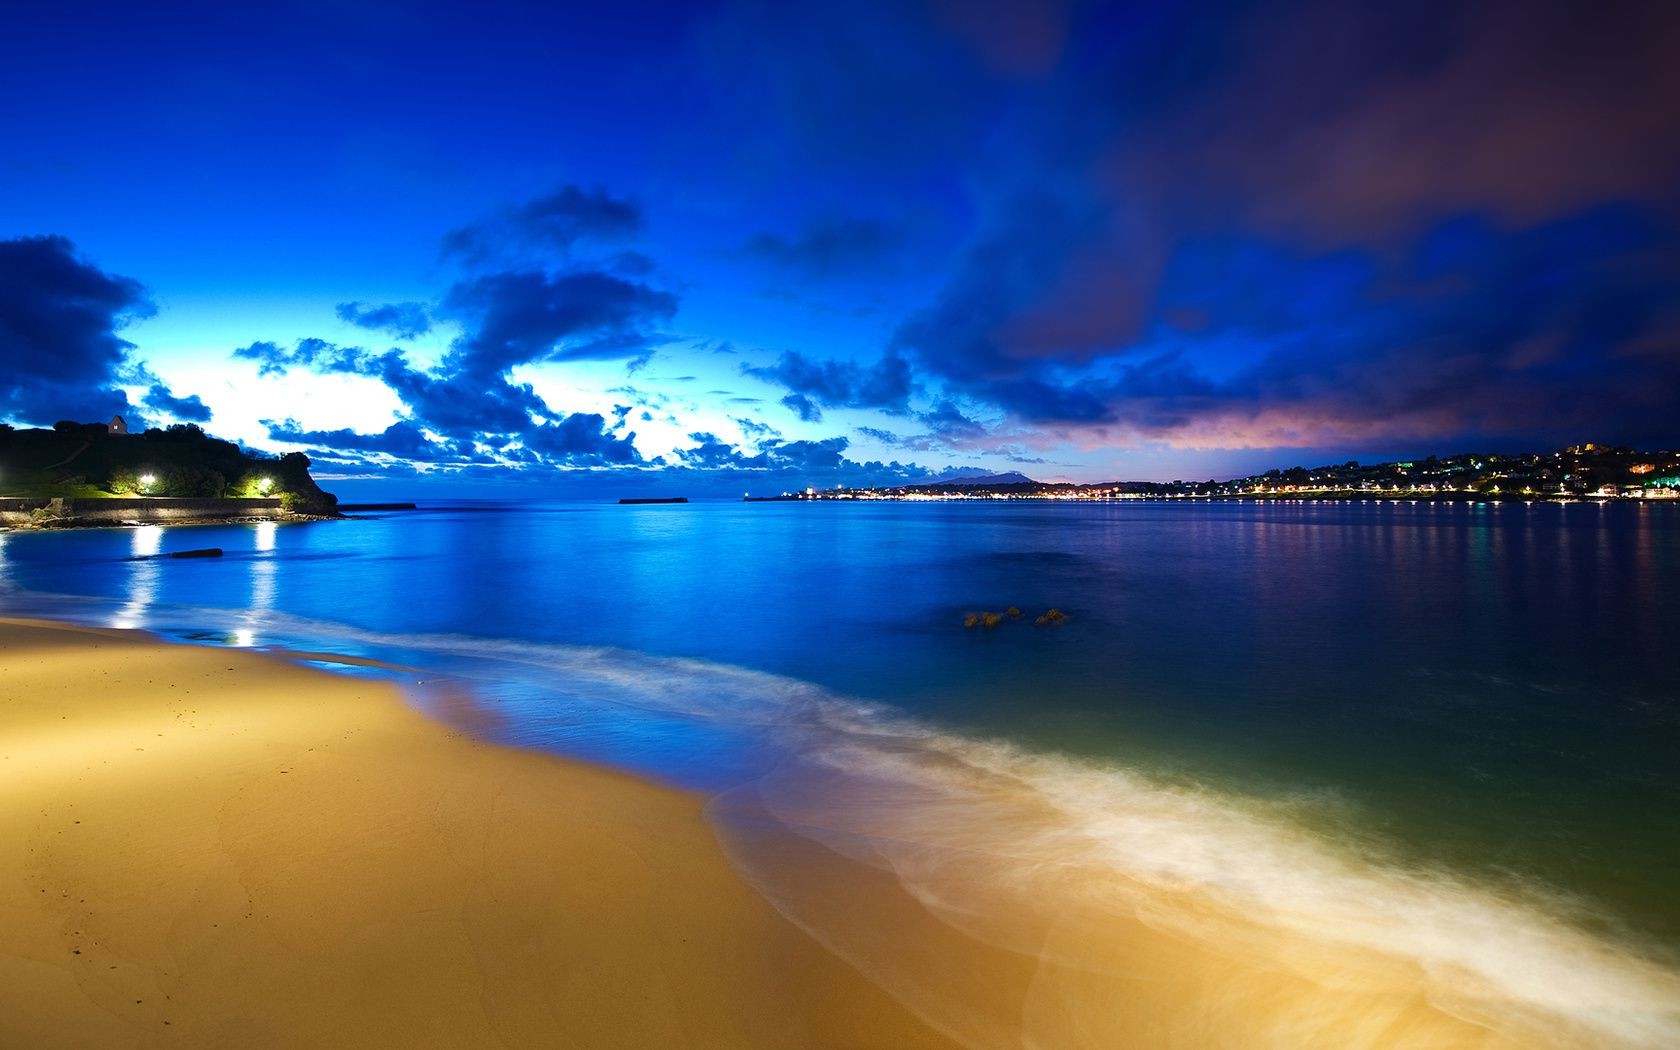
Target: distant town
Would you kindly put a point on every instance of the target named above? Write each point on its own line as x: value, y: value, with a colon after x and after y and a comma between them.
x: 1591, y: 471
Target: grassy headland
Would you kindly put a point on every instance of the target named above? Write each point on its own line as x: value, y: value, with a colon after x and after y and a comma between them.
x: 89, y: 461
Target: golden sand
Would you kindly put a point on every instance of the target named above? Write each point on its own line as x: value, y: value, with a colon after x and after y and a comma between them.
x: 203, y: 847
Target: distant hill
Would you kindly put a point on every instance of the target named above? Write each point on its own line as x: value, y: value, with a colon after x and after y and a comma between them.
x: 89, y: 460
x: 967, y: 476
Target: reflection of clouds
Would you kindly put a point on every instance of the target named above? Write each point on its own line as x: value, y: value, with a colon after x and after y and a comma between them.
x: 144, y: 542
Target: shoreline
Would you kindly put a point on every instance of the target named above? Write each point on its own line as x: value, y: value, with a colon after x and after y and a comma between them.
x: 207, y: 847
x: 318, y: 859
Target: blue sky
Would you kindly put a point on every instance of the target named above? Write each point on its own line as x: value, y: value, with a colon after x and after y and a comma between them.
x: 753, y: 246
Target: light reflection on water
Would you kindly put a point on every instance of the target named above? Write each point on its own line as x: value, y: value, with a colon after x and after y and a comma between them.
x: 1460, y: 674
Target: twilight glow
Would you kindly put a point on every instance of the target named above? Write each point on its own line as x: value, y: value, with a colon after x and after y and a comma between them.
x: 728, y: 246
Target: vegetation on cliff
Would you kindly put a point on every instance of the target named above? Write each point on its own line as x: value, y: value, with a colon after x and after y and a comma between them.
x: 88, y: 460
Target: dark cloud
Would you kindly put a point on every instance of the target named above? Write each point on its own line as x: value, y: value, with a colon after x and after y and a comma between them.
x: 803, y: 407
x: 756, y: 430
x: 715, y: 466
x: 820, y: 459
x: 311, y: 353
x: 887, y: 384
x: 189, y: 409
x: 1202, y: 217
x: 947, y: 420
x: 402, y: 439
x: 829, y: 247
x: 398, y: 320
x: 59, y: 319
x: 509, y: 317
x: 1527, y: 337
x: 548, y: 224
x: 158, y: 398
x: 582, y: 437
x: 519, y: 317
x: 464, y: 408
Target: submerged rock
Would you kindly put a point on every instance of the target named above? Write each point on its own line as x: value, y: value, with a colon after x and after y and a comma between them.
x: 1054, y: 616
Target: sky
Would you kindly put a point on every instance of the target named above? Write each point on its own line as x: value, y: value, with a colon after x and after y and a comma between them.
x: 504, y: 248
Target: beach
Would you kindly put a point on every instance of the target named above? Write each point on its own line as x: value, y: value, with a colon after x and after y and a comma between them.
x: 206, y: 847
x: 212, y: 847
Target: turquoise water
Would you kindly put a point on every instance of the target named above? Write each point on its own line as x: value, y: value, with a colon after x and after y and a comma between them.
x: 1480, y: 693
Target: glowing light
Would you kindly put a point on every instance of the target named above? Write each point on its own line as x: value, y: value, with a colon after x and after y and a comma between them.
x: 264, y: 484
x: 147, y: 481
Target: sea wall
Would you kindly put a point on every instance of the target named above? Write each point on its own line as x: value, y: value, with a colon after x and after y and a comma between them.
x: 146, y: 509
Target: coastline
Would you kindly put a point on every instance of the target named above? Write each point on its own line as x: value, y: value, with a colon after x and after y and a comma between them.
x: 203, y: 846
x: 206, y: 847
x: 38, y: 514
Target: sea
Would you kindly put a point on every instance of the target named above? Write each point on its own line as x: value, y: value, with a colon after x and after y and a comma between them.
x: 1445, y: 736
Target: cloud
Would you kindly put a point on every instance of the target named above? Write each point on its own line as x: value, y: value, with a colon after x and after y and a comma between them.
x: 311, y: 353
x: 829, y: 247
x: 158, y: 397
x: 464, y: 408
x: 59, y: 319
x: 519, y: 317
x: 189, y: 409
x: 582, y: 437
x: 714, y: 465
x: 509, y: 317
x: 947, y: 420
x: 548, y: 224
x: 887, y: 384
x: 805, y: 458
x: 1193, y: 223
x: 399, y: 320
x: 755, y: 430
x: 1521, y: 337
x: 402, y: 439
x: 803, y: 407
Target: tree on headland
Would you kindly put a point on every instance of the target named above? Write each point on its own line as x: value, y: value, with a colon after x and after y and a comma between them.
x: 85, y: 460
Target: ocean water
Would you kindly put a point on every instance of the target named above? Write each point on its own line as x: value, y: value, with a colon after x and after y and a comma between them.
x: 1438, y: 743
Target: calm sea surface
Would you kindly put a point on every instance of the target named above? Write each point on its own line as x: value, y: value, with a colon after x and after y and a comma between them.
x: 1485, y: 691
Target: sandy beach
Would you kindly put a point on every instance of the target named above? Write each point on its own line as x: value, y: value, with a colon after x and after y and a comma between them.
x: 224, y: 848
x: 204, y: 847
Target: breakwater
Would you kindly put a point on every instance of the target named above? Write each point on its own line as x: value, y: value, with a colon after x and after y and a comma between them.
x: 68, y: 513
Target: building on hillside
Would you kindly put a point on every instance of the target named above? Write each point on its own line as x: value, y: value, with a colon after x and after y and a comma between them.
x: 117, y: 426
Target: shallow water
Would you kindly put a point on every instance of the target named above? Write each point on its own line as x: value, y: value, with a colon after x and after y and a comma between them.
x: 1439, y: 736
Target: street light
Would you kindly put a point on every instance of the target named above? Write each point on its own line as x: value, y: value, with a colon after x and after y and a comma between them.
x: 264, y: 484
x: 146, y: 481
